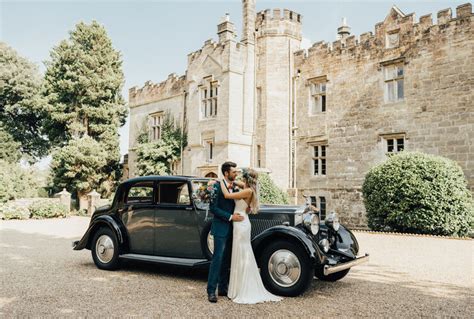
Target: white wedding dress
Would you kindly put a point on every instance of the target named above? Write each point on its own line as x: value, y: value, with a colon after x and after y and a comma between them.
x: 245, y: 284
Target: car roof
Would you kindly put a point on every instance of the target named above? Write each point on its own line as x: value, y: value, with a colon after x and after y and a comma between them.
x: 163, y: 178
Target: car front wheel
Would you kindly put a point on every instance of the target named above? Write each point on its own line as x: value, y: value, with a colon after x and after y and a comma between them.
x: 285, y: 268
x: 104, y: 249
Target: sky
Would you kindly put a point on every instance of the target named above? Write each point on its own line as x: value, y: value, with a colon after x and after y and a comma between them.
x: 155, y: 37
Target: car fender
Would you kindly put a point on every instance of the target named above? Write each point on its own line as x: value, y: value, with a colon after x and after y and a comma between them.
x: 292, y: 233
x: 103, y: 220
x: 347, y: 242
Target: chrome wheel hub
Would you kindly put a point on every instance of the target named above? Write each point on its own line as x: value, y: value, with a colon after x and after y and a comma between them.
x: 104, y: 248
x: 210, y: 243
x: 284, y: 268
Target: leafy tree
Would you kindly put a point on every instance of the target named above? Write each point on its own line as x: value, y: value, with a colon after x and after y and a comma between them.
x: 156, y: 157
x: 22, y: 107
x: 269, y: 192
x: 83, y: 84
x: 10, y: 150
x: 17, y: 182
x: 420, y: 193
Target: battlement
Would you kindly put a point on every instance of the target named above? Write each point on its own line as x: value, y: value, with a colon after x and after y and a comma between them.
x: 276, y: 15
x: 152, y: 92
x: 278, y: 22
x: 408, y: 30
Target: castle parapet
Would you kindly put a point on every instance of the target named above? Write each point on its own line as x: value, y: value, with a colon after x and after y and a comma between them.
x: 409, y: 32
x: 278, y: 22
x: 152, y: 92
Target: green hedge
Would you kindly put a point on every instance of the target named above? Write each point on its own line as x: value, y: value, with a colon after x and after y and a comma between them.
x: 38, y: 209
x: 269, y: 192
x: 418, y: 193
x: 46, y: 209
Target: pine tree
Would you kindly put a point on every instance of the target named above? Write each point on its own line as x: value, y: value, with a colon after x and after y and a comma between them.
x: 22, y: 111
x: 83, y: 84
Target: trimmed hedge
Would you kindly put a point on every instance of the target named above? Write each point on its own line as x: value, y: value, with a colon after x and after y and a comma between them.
x: 418, y: 193
x: 46, y: 209
x: 37, y: 209
x: 269, y: 192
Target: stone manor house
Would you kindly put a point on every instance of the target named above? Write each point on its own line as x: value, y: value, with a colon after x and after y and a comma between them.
x: 319, y: 119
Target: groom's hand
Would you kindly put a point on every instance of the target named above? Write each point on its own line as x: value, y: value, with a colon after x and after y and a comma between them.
x: 237, y: 217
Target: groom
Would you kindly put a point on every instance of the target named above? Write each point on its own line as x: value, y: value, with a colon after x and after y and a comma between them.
x: 221, y: 229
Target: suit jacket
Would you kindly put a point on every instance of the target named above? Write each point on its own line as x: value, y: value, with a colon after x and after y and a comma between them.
x: 222, y: 209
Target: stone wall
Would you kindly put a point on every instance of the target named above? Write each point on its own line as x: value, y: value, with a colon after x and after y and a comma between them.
x: 436, y: 115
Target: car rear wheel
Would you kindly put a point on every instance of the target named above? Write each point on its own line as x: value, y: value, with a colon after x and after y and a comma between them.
x: 207, y: 241
x: 285, y: 268
x: 104, y: 249
x: 332, y: 277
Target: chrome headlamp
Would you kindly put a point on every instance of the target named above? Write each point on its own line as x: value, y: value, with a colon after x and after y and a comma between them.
x: 311, y: 222
x: 332, y: 221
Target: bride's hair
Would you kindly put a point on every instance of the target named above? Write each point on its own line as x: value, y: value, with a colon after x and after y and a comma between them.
x: 251, y: 179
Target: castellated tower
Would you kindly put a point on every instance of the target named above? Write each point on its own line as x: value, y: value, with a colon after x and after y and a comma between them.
x: 278, y: 36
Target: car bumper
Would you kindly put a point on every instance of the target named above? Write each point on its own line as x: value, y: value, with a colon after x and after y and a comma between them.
x: 337, y: 268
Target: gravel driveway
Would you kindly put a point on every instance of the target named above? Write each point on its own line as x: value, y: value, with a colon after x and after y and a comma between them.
x: 407, y: 277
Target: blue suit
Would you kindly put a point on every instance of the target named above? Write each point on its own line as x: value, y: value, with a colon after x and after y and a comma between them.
x: 221, y: 229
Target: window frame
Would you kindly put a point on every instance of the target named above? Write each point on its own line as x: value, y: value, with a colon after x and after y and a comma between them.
x: 158, y: 188
x: 209, y: 93
x: 394, y: 138
x: 129, y: 187
x: 317, y: 96
x: 153, y: 126
x: 393, y: 80
x: 319, y: 158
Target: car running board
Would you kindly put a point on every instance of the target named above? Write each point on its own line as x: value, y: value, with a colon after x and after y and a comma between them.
x: 188, y: 262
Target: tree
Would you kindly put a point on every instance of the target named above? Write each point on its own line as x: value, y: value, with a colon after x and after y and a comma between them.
x: 22, y: 107
x: 157, y: 157
x: 83, y: 84
x: 10, y: 150
x: 79, y: 166
x: 17, y: 182
x: 420, y: 193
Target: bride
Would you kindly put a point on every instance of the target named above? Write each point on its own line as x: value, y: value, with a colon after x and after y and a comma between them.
x: 245, y: 284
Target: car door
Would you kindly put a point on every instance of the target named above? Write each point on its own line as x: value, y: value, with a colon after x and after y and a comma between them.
x: 176, y: 229
x: 138, y: 216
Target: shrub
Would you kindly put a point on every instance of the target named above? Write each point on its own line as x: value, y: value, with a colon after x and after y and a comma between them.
x: 270, y: 193
x: 419, y: 193
x: 12, y: 210
x: 47, y: 209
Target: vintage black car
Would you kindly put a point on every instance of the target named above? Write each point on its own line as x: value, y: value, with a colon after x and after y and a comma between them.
x: 158, y: 219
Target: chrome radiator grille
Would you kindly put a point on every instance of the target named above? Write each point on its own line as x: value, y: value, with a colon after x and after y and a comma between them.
x: 260, y: 225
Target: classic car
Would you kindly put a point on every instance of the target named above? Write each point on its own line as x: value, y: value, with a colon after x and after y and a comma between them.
x: 160, y: 219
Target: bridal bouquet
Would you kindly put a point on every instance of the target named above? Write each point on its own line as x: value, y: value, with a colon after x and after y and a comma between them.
x: 205, y: 193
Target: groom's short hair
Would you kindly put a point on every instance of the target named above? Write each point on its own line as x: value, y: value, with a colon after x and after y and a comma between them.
x: 226, y: 167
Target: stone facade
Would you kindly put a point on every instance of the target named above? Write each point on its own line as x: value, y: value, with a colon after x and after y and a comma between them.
x: 408, y: 85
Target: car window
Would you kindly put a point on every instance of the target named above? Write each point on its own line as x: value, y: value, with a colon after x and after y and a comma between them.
x: 174, y: 193
x: 141, y: 192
